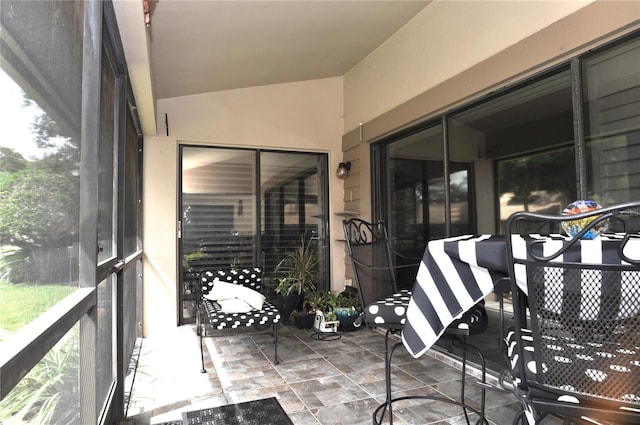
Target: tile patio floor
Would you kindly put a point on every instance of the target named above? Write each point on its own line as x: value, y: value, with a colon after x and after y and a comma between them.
x: 317, y: 382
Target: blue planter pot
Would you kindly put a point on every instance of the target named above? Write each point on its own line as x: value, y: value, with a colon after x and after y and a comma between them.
x: 347, y: 318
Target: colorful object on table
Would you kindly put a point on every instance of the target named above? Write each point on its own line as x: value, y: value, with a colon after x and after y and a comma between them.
x: 573, y: 227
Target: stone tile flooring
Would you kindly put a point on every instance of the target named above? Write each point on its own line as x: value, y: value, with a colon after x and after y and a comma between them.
x: 317, y: 382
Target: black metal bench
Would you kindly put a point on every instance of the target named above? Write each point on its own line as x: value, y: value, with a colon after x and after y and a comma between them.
x: 229, y: 310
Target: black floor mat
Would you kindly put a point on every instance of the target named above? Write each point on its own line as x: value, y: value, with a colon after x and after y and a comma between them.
x: 258, y: 412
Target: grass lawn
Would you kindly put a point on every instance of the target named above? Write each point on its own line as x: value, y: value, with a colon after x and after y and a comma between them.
x: 20, y: 304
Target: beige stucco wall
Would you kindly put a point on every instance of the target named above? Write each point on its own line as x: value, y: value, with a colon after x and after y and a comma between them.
x: 449, y: 37
x: 301, y: 116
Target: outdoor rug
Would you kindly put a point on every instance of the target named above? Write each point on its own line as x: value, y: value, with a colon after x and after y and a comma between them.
x: 266, y: 411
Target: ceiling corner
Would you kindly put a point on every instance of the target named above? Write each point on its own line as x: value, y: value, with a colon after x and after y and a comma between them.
x: 136, y: 45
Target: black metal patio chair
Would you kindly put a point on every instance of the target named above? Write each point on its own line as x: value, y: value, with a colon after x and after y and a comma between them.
x: 574, y: 349
x: 384, y: 306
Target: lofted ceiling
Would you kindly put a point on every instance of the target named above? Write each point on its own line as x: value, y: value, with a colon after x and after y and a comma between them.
x: 204, y: 46
x: 201, y: 46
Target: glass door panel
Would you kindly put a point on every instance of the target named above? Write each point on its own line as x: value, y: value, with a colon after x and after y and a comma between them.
x: 527, y: 135
x: 522, y: 149
x: 416, y: 197
x: 293, y: 187
x: 241, y: 207
x: 217, y: 214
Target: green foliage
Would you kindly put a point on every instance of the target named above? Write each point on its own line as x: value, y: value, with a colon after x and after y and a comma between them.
x: 194, y: 256
x: 15, y: 264
x: 39, y: 201
x: 348, y: 300
x: 299, y: 270
x: 550, y: 171
x: 38, y: 207
x: 49, y: 393
x: 44, y: 394
x: 284, y: 286
x: 325, y: 301
x: 328, y: 302
x: 39, y: 197
x: 11, y: 161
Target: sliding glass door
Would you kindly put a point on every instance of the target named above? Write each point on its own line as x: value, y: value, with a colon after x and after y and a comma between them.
x: 572, y: 133
x: 244, y: 207
x: 415, y: 197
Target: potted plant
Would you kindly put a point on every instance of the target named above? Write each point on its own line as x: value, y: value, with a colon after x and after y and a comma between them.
x: 298, y: 275
x: 192, y: 264
x: 323, y: 304
x: 304, y: 317
x: 348, y: 310
x: 287, y: 300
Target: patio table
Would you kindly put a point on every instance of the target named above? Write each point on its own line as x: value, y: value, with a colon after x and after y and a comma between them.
x: 457, y: 272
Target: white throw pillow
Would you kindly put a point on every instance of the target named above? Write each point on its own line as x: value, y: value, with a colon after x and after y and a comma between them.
x: 234, y: 305
x: 226, y: 291
x: 221, y: 291
x: 254, y: 298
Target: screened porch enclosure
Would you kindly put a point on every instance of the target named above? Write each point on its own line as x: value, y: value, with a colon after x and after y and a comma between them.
x: 244, y: 207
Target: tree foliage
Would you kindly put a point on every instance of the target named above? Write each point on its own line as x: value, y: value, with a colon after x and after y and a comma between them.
x: 38, y: 207
x: 550, y: 171
x: 39, y: 199
x: 11, y: 161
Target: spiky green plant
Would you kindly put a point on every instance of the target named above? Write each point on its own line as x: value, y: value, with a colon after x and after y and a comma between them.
x: 49, y: 393
x: 300, y: 268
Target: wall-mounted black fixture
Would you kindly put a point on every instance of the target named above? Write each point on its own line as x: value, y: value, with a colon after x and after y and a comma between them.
x: 343, y: 170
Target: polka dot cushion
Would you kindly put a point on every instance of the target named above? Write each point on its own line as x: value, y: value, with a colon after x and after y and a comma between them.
x: 511, y: 344
x: 249, y: 277
x: 388, y: 313
x: 391, y: 313
x: 577, y: 372
x: 220, y: 320
x: 472, y: 322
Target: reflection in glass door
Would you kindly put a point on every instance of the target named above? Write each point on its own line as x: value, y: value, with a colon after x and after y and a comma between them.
x: 415, y: 197
x: 293, y: 207
x: 217, y: 214
x: 417, y: 208
x: 242, y: 208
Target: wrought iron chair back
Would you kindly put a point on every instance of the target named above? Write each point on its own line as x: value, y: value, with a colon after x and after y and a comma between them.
x: 368, y: 246
x: 575, y: 347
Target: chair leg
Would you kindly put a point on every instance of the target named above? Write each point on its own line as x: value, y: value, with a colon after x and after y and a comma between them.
x: 520, y: 418
x: 387, y: 377
x: 203, y: 370
x: 464, y: 376
x: 275, y: 333
x: 465, y: 346
x: 388, y: 404
x: 200, y: 329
